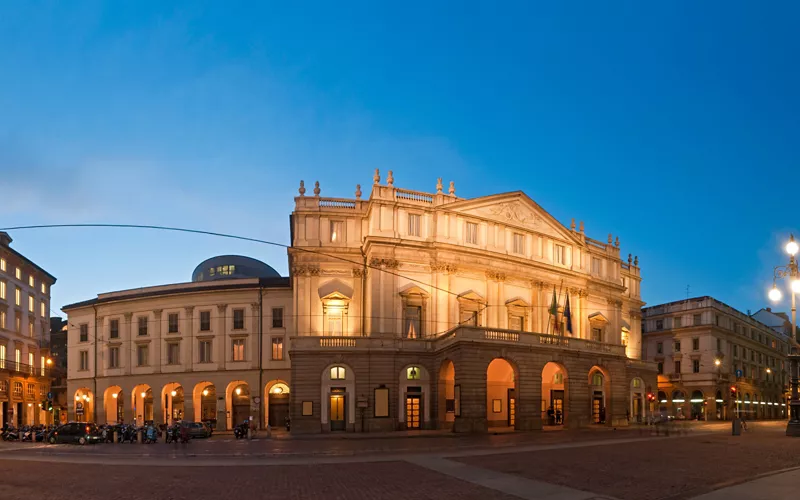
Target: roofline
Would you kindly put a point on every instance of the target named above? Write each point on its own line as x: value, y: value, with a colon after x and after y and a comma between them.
x: 280, y: 282
x: 704, y: 297
x: 32, y: 263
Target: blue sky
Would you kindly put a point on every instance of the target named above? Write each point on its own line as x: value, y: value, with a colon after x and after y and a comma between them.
x: 672, y: 125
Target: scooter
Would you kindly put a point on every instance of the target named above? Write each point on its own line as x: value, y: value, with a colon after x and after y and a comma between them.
x: 27, y: 434
x: 151, y: 435
x: 11, y: 434
x: 240, y: 431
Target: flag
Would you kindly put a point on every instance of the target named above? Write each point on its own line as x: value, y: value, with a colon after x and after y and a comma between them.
x: 568, y: 316
x: 554, y: 310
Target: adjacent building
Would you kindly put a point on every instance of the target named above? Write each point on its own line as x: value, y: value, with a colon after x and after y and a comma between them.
x: 715, y: 362
x: 24, y: 337
x: 58, y: 369
x: 404, y: 310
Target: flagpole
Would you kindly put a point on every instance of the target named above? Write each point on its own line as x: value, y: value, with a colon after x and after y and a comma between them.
x: 558, y: 301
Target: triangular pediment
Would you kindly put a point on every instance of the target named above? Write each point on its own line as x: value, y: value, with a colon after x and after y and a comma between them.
x: 514, y: 209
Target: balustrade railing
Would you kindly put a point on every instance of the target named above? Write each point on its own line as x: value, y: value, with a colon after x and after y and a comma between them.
x: 404, y: 194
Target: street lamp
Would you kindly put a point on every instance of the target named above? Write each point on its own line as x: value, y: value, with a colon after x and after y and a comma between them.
x: 717, y: 362
x: 791, y: 273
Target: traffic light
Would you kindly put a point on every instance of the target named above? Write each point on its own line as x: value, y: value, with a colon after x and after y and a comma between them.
x: 49, y: 406
x: 44, y: 405
x: 733, y: 392
x: 651, y: 397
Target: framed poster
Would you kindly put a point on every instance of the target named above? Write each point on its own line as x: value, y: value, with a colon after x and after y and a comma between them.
x: 381, y: 402
x: 308, y: 408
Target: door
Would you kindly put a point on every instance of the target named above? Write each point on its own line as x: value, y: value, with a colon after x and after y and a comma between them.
x: 557, y: 402
x: 512, y: 408
x: 5, y: 419
x: 637, y: 408
x: 19, y: 415
x: 597, y: 407
x: 413, y: 409
x: 338, y: 422
x: 278, y: 409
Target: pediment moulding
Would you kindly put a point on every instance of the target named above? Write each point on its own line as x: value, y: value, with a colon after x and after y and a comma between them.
x: 444, y: 267
x: 305, y: 270
x: 495, y: 275
x: 384, y: 263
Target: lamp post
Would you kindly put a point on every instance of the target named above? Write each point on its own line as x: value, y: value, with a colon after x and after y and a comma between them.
x: 790, y: 271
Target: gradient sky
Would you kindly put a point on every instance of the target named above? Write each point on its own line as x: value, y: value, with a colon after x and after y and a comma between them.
x: 674, y: 125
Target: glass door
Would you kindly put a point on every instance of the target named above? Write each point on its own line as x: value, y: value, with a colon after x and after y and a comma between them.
x: 412, y: 412
x: 337, y: 413
x: 512, y: 408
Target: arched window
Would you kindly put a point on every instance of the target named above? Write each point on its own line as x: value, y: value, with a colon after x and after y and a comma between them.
x: 637, y: 383
x: 413, y: 373
x: 338, y: 373
x: 662, y: 397
x: 597, y: 379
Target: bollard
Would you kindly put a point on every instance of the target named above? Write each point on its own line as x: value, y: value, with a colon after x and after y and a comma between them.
x: 736, y: 427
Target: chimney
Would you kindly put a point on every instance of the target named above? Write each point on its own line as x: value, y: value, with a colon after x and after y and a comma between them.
x: 769, y: 309
x: 5, y: 239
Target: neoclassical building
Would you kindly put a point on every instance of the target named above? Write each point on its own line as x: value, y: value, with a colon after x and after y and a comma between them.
x: 404, y: 310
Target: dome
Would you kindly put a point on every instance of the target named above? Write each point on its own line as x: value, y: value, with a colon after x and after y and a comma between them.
x: 227, y: 267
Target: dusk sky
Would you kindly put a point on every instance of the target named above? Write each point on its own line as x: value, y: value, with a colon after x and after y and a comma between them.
x: 672, y: 125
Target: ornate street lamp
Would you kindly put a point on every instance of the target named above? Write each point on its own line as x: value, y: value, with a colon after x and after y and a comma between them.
x: 791, y: 273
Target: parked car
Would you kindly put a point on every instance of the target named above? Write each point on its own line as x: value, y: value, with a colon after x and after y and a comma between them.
x: 197, y: 430
x: 75, y: 432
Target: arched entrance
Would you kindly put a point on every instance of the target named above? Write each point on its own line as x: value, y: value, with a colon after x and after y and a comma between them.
x: 142, y: 402
x: 501, y: 396
x: 414, y: 397
x: 338, y: 398
x: 204, y: 399
x: 679, y: 404
x: 637, y: 409
x: 698, y: 405
x: 720, y: 406
x: 172, y: 397
x: 599, y: 391
x: 84, y: 405
x: 237, y: 399
x: 114, y: 404
x: 276, y: 393
x: 554, y: 403
x: 447, y: 394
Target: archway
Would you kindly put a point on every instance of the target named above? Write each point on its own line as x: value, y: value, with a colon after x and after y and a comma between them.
x: 599, y: 392
x: 720, y: 406
x: 447, y: 395
x: 637, y: 408
x: 84, y: 405
x: 276, y: 395
x: 501, y: 396
x: 679, y: 404
x: 173, y: 402
x: 337, y: 396
x: 114, y: 404
x: 698, y: 408
x: 142, y: 403
x: 554, y: 394
x: 204, y: 399
x: 237, y: 401
x: 414, y: 397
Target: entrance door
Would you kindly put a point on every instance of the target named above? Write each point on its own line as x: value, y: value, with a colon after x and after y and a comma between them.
x: 413, y: 410
x: 557, y: 402
x: 19, y: 415
x: 278, y: 409
x: 240, y: 414
x: 5, y: 418
x: 637, y: 408
x: 597, y: 407
x: 512, y: 408
x: 338, y: 422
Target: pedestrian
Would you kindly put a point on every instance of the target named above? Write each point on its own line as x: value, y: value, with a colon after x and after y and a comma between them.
x: 550, y: 416
x: 252, y: 432
x: 558, y: 416
x: 602, y: 414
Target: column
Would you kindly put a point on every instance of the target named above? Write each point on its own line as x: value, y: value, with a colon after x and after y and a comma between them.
x: 471, y: 378
x: 529, y: 397
x: 158, y: 407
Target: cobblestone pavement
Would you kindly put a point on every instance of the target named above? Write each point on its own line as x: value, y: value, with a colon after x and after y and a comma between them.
x: 664, y: 469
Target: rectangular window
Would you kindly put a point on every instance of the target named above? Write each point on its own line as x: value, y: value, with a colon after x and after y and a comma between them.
x: 516, y: 322
x: 173, y: 353
x: 3, y: 290
x: 30, y: 359
x: 596, y: 266
x: 695, y: 344
x: 205, y: 351
x: 18, y: 273
x: 31, y: 282
x: 660, y: 368
x: 719, y: 345
x: 31, y: 304
x: 238, y: 319
x: 335, y: 326
x: 42, y: 309
x: 696, y: 319
x: 519, y: 243
x: 559, y: 256
x: 84, y: 360
x: 237, y: 348
x: 142, y: 325
x: 677, y: 346
x: 277, y: 317
x: 2, y: 319
x: 18, y: 324
x: 31, y: 390
x: 113, y: 357
x: 414, y: 224
x: 676, y: 322
x: 660, y: 348
x: 597, y: 334
x: 205, y: 321
x: 3, y: 265
x: 113, y: 329
x: 30, y: 328
x: 17, y: 358
x: 84, y: 335
x: 2, y: 357
x: 17, y: 296
x: 677, y: 367
x: 172, y: 321
x: 659, y: 324
x: 277, y: 348
x: 142, y: 355
x: 695, y: 366
x: 336, y: 231
x: 43, y: 365
x: 44, y: 288
x: 471, y: 233
x: 413, y: 322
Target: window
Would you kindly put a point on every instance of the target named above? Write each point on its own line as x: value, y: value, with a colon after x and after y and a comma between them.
x: 84, y: 361
x: 3, y: 386
x: 31, y: 390
x: 205, y: 321
x: 719, y: 345
x: 558, y: 256
x: 113, y: 357
x: 30, y: 359
x: 695, y: 344
x: 773, y: 342
x: 18, y: 324
x: 471, y: 233
x: 205, y: 351
x: 336, y: 231
x: 30, y: 328
x: 42, y: 309
x: 142, y: 326
x: 3, y: 290
x: 677, y: 367
x: 413, y: 373
x: 3, y: 265
x: 84, y: 335
x: 597, y: 379
x: 173, y: 353
x: 676, y: 322
x: 338, y: 373
x: 237, y: 347
x: 716, y: 319
x: 516, y: 322
x: 659, y: 324
x: 677, y: 346
x: 142, y: 355
x: 695, y: 366
x: 172, y: 323
x: 277, y: 317
x: 519, y: 243
x: 696, y: 319
x: 18, y: 388
x: 382, y: 402
x: 660, y: 368
x: 413, y: 321
x: 17, y: 296
x: 596, y: 265
x: 18, y: 273
x: 224, y: 270
x: 335, y: 321
x: 44, y: 288
x: 414, y: 224
x: 211, y: 271
x: 277, y: 348
x: 2, y: 319
x: 597, y: 334
x: 238, y: 319
x: 113, y: 329
x: 31, y: 303
x: 660, y: 348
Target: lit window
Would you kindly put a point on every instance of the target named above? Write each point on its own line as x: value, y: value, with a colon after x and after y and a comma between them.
x: 335, y: 322
x: 336, y: 231
x: 413, y: 322
x: 471, y: 233
x: 414, y: 224
x: 18, y: 388
x: 238, y: 349
x: 2, y: 321
x: 31, y: 303
x: 338, y: 373
x: 211, y: 271
x: 558, y: 254
x: 17, y: 296
x: 519, y: 243
x: 18, y: 273
x: 277, y: 348
x: 31, y: 282
x: 30, y: 359
x: 3, y: 290
x: 3, y: 265
x: 413, y: 373
x: 3, y: 386
x: 597, y: 379
x: 42, y: 309
x: 637, y: 382
x: 30, y: 328
x: 2, y: 356
x: 44, y: 287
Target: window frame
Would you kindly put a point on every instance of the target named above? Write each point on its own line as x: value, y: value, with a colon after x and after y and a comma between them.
x: 415, y: 225
x: 336, y: 229
x: 205, y: 355
x: 176, y: 323
x: 143, y: 360
x: 142, y: 326
x: 277, y: 343
x: 238, y: 350
x: 83, y: 332
x: 208, y: 327
x: 277, y: 319
x: 83, y: 360
x: 471, y: 237
x: 518, y: 243
x: 113, y: 357
x: 237, y: 321
x: 173, y: 358
x: 113, y: 328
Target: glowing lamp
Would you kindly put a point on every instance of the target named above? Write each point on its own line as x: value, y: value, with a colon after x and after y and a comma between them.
x: 173, y: 393
x: 238, y: 391
x: 775, y: 294
x: 792, y: 247
x: 115, y: 395
x: 143, y: 395
x: 205, y: 392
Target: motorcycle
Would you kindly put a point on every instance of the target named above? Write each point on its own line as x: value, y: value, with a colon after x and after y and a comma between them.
x: 240, y: 431
x: 151, y: 435
x: 27, y: 434
x: 11, y: 434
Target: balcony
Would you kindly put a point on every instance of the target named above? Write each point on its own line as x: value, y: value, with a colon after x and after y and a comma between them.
x: 23, y: 369
x: 460, y: 333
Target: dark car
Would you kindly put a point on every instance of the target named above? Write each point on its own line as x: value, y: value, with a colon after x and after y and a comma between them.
x: 75, y: 432
x: 197, y: 430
